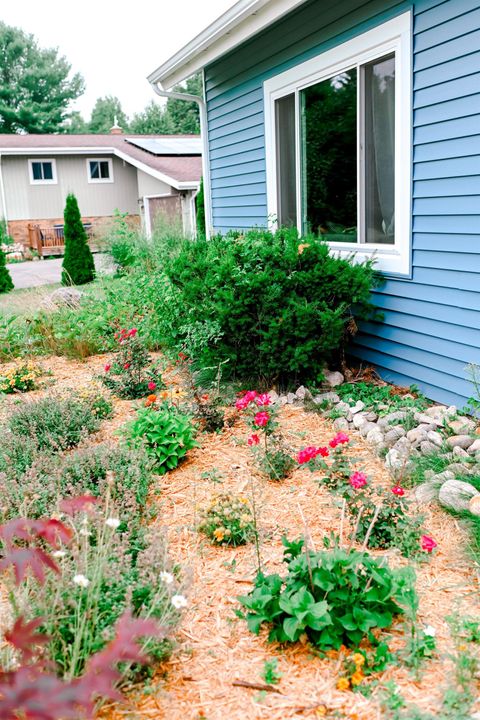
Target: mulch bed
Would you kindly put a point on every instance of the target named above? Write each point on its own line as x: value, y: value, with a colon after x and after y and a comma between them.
x: 214, y: 650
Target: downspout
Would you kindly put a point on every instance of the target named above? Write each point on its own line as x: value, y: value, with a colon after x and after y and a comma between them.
x: 2, y: 195
x: 205, y: 154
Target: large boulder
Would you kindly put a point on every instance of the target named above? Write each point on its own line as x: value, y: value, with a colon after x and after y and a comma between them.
x: 64, y: 296
x: 456, y: 495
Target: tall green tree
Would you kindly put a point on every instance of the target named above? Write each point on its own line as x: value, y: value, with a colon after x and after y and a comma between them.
x: 152, y: 121
x: 106, y: 110
x: 76, y: 124
x: 185, y: 116
x: 35, y: 84
x: 78, y: 266
x: 6, y: 283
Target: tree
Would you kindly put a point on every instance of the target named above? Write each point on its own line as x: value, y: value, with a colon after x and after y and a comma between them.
x: 200, y: 207
x: 35, y: 87
x: 185, y: 116
x: 76, y: 124
x: 6, y: 283
x: 152, y: 121
x: 78, y: 266
x: 106, y: 110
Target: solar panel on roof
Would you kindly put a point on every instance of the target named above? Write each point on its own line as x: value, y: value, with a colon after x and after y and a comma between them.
x: 168, y: 146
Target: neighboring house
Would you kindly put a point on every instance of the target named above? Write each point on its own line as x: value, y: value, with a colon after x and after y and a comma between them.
x: 360, y: 121
x: 143, y: 175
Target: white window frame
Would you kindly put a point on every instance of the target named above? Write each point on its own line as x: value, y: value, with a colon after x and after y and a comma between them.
x: 53, y: 181
x: 392, y: 36
x: 110, y: 170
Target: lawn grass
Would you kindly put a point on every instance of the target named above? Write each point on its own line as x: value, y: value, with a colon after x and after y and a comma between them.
x: 24, y: 301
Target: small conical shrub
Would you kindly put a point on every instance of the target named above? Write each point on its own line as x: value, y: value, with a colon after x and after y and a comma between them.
x: 78, y: 266
x: 6, y: 283
x: 200, y: 205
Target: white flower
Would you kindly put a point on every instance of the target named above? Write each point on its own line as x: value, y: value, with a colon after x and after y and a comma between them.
x: 59, y: 554
x: 429, y: 630
x: 81, y: 580
x: 112, y: 522
x: 166, y: 577
x: 179, y: 601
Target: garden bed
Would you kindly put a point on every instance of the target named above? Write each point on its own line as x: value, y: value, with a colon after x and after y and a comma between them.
x: 214, y: 648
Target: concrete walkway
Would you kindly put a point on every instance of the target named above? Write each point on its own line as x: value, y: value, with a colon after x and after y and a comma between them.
x: 46, y: 272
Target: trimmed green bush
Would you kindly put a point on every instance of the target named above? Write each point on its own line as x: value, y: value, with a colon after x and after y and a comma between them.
x: 200, y: 208
x: 78, y: 266
x: 6, y: 283
x: 282, y: 307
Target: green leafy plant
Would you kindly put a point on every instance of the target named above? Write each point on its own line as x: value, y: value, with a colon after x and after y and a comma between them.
x: 19, y: 378
x: 382, y: 398
x: 271, y: 673
x: 6, y: 282
x: 228, y: 520
x: 127, y: 374
x: 335, y: 596
x: 78, y: 266
x: 122, y: 242
x: 473, y: 405
x: 165, y: 433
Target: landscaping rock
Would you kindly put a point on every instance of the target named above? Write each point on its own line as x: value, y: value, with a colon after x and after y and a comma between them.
x: 461, y: 441
x: 474, y: 505
x: 371, y: 416
x: 329, y: 397
x: 416, y: 436
x: 66, y: 296
x: 282, y: 400
x: 435, y: 438
x: 359, y: 420
x: 393, y: 417
x: 291, y: 397
x: 398, y: 457
x: 462, y: 426
x: 358, y: 407
x: 367, y: 427
x: 442, y: 477
x: 456, y: 495
x: 428, y: 448
x: 274, y: 396
x: 303, y: 393
x: 342, y: 407
x: 334, y: 378
x: 426, y: 492
x: 460, y: 453
x: 340, y: 424
x: 393, y: 435
x: 458, y: 469
x: 375, y: 436
x: 423, y: 418
x: 474, y: 447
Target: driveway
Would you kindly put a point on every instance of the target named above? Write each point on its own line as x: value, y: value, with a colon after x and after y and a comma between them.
x: 47, y: 272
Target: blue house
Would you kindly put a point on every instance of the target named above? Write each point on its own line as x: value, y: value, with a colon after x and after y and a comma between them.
x: 358, y: 120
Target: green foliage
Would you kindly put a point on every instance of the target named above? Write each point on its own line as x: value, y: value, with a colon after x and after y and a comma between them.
x: 382, y: 399
x: 200, y: 209
x: 473, y: 405
x: 185, y: 116
x: 55, y: 423
x: 105, y: 111
x: 153, y: 120
x: 19, y: 378
x: 280, y: 310
x: 270, y: 673
x: 5, y: 238
x: 121, y: 242
x: 6, y: 282
x: 165, y: 433
x: 335, y: 596
x: 78, y: 266
x: 35, y: 87
x: 127, y: 374
x: 228, y: 520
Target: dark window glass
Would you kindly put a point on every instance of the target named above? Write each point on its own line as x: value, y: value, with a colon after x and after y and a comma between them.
x: 94, y: 170
x: 37, y: 170
x: 379, y: 150
x: 104, y: 169
x: 47, y: 171
x: 286, y: 161
x: 329, y: 162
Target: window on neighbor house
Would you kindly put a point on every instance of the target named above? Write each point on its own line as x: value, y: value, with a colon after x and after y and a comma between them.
x: 42, y: 171
x: 99, y: 170
x: 338, y: 138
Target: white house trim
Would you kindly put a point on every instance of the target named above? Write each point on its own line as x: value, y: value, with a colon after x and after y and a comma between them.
x: 100, y: 180
x: 42, y: 159
x: 392, y: 36
x: 238, y: 24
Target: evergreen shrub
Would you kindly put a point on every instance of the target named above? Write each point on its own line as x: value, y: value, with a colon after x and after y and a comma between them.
x: 6, y: 283
x: 78, y: 266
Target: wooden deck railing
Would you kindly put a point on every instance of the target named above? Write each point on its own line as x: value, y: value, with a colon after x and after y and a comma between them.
x: 49, y: 240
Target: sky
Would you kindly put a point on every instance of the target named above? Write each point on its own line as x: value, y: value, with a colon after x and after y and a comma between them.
x: 114, y: 44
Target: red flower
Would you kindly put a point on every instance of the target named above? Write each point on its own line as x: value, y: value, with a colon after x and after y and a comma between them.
x: 263, y: 400
x: 427, y: 543
x: 107, y: 367
x: 250, y: 395
x: 205, y: 398
x: 182, y: 356
x: 339, y: 439
x: 126, y: 366
x: 310, y: 453
x: 398, y: 490
x: 132, y: 332
x: 152, y: 385
x: 261, y: 419
x: 253, y: 440
x: 358, y: 480
x: 323, y: 451
x: 241, y: 404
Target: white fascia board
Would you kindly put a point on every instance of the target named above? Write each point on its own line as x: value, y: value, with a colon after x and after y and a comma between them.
x: 244, y: 20
x: 46, y: 151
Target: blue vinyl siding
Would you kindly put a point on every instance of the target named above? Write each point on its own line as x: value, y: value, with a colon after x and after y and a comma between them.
x: 431, y: 322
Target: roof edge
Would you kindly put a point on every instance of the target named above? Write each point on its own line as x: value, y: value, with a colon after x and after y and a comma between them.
x: 246, y: 18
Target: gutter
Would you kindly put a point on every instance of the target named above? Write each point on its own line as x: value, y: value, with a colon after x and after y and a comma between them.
x: 157, y: 88
x: 2, y: 194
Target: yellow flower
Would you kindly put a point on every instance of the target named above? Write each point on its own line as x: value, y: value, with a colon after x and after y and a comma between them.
x: 218, y: 534
x: 343, y: 684
x: 358, y: 659
x: 357, y: 677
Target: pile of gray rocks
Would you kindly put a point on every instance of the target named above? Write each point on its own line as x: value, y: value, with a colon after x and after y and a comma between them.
x: 406, y: 433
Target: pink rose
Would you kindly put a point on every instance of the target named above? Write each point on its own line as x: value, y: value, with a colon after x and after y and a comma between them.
x: 263, y: 400
x: 358, y: 480
x: 310, y: 453
x: 253, y: 440
x: 126, y: 366
x: 152, y: 385
x: 261, y: 419
x: 107, y: 367
x: 427, y: 543
x: 250, y: 396
x: 241, y: 404
x: 132, y: 332
x: 398, y: 490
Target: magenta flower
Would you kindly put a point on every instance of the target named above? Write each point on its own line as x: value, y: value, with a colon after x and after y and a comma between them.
x: 358, y: 480
x: 250, y: 396
x: 152, y: 385
x: 398, y: 490
x: 261, y: 419
x: 132, y: 332
x: 107, y: 367
x: 253, y: 440
x: 263, y: 400
x: 241, y: 404
x: 310, y: 453
x: 427, y: 543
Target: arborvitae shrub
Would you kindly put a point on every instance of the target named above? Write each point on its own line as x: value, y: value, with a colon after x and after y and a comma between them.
x: 200, y: 207
x: 282, y: 306
x: 6, y: 283
x: 78, y: 266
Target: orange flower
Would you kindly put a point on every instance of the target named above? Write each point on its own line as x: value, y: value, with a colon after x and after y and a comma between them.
x: 332, y: 654
x: 151, y: 400
x: 164, y: 394
x: 357, y: 677
x: 358, y: 659
x: 343, y: 684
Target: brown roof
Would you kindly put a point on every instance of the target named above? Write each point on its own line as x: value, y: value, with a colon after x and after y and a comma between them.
x: 182, y: 168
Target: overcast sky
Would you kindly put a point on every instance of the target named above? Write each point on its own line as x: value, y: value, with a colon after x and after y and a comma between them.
x: 114, y: 45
